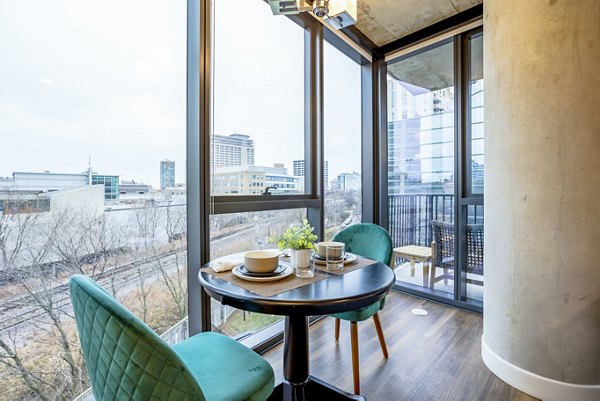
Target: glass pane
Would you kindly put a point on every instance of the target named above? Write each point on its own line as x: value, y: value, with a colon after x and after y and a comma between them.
x: 93, y: 98
x: 474, y: 252
x: 421, y: 161
x: 476, y: 113
x: 342, y: 104
x: 258, y: 101
x: 240, y: 232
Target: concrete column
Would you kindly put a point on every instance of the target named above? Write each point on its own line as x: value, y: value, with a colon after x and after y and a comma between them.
x: 542, y: 197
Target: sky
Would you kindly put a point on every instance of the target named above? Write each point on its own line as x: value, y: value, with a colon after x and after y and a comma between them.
x: 106, y: 80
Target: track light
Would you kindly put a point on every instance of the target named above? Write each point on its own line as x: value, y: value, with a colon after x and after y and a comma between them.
x: 337, y: 13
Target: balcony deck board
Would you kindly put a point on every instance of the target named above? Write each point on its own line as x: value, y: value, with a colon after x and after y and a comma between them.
x: 432, y: 358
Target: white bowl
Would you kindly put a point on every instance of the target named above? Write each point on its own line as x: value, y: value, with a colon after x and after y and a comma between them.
x: 261, y: 261
x: 322, y: 248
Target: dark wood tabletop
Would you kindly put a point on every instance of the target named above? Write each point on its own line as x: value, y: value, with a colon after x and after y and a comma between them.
x: 336, y: 293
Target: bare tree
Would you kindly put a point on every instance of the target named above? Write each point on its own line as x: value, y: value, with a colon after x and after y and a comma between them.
x: 76, y: 241
x: 16, y: 230
x: 11, y: 359
x: 85, y: 242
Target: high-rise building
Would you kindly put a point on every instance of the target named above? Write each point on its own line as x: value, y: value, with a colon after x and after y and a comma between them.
x: 349, y: 182
x: 232, y: 150
x: 421, y: 137
x: 167, y: 174
x: 298, y: 168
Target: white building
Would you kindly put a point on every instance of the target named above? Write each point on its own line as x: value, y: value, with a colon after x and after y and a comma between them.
x: 298, y: 168
x: 253, y: 180
x: 231, y: 150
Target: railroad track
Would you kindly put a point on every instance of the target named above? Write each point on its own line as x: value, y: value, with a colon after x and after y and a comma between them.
x: 27, y: 308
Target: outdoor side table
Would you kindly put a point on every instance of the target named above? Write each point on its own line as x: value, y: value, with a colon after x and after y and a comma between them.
x: 415, y: 253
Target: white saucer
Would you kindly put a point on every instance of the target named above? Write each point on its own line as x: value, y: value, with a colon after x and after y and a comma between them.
x: 348, y: 258
x: 288, y: 270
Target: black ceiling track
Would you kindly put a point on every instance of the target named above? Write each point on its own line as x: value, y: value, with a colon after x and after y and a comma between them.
x: 430, y: 31
x: 360, y: 38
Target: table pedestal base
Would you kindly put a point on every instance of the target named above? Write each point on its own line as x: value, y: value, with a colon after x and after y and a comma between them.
x: 314, y: 389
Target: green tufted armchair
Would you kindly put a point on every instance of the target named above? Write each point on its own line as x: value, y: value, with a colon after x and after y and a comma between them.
x: 373, y: 242
x: 126, y: 360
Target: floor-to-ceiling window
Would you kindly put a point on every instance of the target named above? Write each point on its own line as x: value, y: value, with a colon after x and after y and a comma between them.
x: 342, y: 134
x: 435, y: 159
x: 421, y: 114
x: 472, y: 274
x: 258, y: 138
x: 93, y: 101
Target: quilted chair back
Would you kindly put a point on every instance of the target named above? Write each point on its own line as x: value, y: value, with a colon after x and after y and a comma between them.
x: 368, y: 240
x: 125, y: 359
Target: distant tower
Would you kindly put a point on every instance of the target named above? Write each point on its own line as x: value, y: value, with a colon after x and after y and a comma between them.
x: 167, y: 174
x: 298, y: 167
x: 89, y: 172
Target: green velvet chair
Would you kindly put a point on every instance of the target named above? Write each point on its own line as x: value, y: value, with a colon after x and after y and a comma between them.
x: 126, y: 360
x: 373, y: 242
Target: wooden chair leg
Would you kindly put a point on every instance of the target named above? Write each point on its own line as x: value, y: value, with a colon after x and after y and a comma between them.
x: 337, y: 329
x: 432, y: 271
x: 355, y: 369
x: 380, y: 335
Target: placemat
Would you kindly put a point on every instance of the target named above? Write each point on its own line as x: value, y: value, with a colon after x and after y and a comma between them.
x: 270, y: 288
x: 267, y: 288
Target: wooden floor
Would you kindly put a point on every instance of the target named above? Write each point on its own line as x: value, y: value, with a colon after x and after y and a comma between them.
x: 432, y: 358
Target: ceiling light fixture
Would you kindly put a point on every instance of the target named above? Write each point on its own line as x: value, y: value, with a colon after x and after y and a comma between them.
x: 337, y: 13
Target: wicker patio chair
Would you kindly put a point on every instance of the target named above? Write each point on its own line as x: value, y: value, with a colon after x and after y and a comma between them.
x: 443, y: 252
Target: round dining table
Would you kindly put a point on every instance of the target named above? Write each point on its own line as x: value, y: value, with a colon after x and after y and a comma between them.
x: 336, y: 293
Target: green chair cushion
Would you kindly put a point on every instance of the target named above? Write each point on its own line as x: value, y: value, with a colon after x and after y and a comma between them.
x: 225, y: 369
x: 361, y: 314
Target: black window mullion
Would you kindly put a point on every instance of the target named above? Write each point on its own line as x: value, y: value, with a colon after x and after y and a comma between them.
x: 460, y: 219
x: 314, y: 174
x: 197, y: 148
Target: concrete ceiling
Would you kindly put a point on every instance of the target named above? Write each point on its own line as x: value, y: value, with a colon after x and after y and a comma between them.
x: 434, y: 69
x: 431, y: 70
x: 384, y: 21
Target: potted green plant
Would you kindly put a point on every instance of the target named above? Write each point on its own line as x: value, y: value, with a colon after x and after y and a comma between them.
x: 300, y: 240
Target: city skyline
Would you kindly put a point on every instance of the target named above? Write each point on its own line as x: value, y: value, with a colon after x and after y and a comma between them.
x: 129, y: 113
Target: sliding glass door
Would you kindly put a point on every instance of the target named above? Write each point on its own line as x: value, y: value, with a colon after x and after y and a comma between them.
x: 435, y: 162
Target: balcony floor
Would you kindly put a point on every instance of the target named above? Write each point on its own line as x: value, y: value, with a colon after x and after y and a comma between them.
x: 432, y: 358
x: 403, y: 275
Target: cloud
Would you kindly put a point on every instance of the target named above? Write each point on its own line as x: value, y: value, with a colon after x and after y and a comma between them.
x: 47, y: 81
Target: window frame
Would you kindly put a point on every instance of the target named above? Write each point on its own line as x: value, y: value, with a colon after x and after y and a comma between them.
x: 201, y: 205
x: 462, y: 133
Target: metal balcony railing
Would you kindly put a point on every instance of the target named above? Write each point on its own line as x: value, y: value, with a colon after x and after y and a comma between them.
x: 410, y: 216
